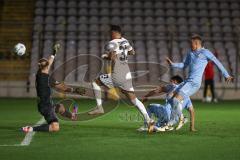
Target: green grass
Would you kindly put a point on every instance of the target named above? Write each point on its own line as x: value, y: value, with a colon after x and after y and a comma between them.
x: 113, y: 137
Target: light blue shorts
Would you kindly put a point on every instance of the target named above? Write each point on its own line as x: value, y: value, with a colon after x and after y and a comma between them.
x: 187, y: 88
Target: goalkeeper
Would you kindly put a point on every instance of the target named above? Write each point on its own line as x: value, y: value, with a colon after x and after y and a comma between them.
x: 43, y: 88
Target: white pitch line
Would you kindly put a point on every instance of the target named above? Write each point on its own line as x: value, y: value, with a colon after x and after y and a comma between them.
x: 28, y: 137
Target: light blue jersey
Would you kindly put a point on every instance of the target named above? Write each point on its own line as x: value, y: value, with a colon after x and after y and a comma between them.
x: 196, y: 61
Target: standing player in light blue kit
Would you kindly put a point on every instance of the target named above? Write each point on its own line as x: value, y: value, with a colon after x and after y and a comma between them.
x: 196, y: 59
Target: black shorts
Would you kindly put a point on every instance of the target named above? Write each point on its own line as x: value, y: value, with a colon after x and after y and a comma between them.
x: 48, y: 112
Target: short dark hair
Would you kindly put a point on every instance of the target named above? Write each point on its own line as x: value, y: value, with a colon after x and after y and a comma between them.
x: 177, y: 78
x: 115, y: 28
x: 196, y: 36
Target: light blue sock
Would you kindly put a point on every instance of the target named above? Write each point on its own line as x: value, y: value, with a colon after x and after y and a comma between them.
x: 177, y: 106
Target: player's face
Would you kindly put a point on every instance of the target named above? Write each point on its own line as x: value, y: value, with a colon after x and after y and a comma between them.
x: 195, y: 44
x: 115, y: 35
x: 173, y: 81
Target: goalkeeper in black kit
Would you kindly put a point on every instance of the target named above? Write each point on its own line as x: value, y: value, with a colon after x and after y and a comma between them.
x: 45, y: 106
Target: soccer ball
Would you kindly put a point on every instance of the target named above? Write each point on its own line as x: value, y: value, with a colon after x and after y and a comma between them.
x: 19, y: 49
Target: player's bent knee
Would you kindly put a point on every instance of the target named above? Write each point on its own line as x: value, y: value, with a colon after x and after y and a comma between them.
x: 54, y: 127
x: 97, y: 81
x: 130, y: 95
x: 134, y: 101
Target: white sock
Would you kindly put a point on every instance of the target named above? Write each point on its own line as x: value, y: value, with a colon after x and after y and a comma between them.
x: 142, y: 109
x: 97, y: 93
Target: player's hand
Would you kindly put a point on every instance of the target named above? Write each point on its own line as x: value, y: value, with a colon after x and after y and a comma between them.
x: 169, y: 61
x: 104, y: 56
x: 56, y: 48
x: 229, y: 79
x: 80, y: 90
x: 145, y: 99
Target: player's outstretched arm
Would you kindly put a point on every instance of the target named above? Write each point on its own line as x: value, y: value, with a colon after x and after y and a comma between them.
x: 61, y: 87
x: 169, y: 61
x: 192, y: 119
x: 56, y: 48
x: 158, y: 90
x: 219, y: 65
x: 181, y: 65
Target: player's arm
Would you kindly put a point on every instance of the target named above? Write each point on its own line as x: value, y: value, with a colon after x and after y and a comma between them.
x: 109, y: 51
x: 131, y: 52
x: 61, y: 87
x: 157, y: 90
x: 130, y: 49
x: 50, y: 61
x: 109, y: 55
x: 219, y: 65
x: 180, y: 65
x: 56, y: 48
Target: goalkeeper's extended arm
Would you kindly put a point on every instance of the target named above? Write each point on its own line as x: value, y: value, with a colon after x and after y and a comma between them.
x: 56, y: 48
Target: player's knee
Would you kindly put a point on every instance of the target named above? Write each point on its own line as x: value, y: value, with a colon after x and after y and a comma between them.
x: 130, y: 96
x: 134, y: 101
x: 179, y: 97
x: 54, y: 127
x: 97, y: 81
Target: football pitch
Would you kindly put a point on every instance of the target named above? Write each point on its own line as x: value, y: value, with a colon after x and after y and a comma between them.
x: 113, y: 136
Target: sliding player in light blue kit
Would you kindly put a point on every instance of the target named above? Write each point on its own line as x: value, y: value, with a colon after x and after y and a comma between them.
x: 167, y: 116
x: 196, y: 59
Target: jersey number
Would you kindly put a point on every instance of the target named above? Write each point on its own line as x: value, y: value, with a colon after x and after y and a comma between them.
x: 123, y: 50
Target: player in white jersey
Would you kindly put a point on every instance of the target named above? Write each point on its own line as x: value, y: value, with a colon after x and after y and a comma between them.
x: 117, y: 51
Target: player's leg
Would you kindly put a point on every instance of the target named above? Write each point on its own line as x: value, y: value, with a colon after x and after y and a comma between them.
x: 51, y: 119
x: 185, y: 89
x: 52, y: 124
x: 52, y: 127
x: 104, y: 81
x: 150, y: 111
x: 136, y: 102
x: 162, y: 115
x: 177, y: 102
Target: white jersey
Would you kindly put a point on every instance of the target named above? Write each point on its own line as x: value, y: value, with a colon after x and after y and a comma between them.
x: 121, y: 75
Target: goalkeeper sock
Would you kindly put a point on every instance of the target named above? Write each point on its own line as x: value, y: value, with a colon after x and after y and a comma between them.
x: 41, y: 128
x: 97, y: 93
x: 142, y: 109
